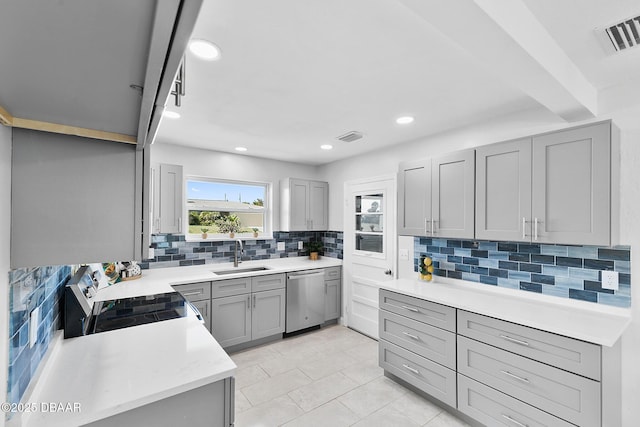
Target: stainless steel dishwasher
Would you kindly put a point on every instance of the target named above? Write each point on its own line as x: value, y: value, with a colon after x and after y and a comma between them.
x: 305, y: 299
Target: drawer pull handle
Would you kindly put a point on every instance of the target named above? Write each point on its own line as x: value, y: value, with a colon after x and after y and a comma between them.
x: 413, y: 337
x: 508, y: 338
x: 186, y: 294
x: 514, y: 376
x: 415, y: 310
x: 410, y: 369
x: 518, y: 423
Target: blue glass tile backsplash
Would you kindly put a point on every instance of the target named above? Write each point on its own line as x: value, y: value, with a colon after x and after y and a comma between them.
x: 29, y: 288
x: 559, y: 270
x: 172, y: 250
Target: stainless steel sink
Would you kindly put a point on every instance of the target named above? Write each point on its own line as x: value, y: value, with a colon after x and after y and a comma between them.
x: 239, y: 270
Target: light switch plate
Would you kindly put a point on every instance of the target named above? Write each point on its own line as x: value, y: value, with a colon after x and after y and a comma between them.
x: 281, y: 246
x: 609, y: 279
x: 404, y: 254
x: 152, y: 253
x: 300, y: 245
x: 33, y: 326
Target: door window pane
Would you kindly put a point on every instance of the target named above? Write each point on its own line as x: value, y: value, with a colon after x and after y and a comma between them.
x: 369, y: 223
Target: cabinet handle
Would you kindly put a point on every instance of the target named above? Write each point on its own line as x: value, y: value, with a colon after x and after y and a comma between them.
x: 415, y: 310
x: 425, y: 226
x: 410, y: 369
x: 158, y: 225
x: 248, y: 301
x: 254, y: 301
x: 535, y: 229
x: 508, y: 338
x: 179, y: 224
x: 433, y: 222
x: 524, y: 224
x: 325, y: 288
x: 514, y: 376
x: 413, y: 337
x: 311, y: 221
x: 186, y: 294
x: 518, y: 423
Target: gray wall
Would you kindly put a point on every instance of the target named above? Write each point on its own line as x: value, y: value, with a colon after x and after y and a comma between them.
x: 72, y: 200
x: 5, y: 233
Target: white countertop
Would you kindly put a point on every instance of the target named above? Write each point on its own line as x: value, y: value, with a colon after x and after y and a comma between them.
x: 595, y: 323
x: 113, y: 372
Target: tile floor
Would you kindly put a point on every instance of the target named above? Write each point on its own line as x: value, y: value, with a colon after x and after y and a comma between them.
x: 329, y: 377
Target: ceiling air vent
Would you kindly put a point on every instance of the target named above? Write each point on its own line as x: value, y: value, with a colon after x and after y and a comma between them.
x: 625, y: 34
x: 350, y: 136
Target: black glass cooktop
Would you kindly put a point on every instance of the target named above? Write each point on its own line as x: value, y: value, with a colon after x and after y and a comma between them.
x: 127, y: 312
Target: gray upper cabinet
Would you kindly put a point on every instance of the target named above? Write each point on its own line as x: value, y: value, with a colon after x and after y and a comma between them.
x: 452, y: 198
x: 571, y: 186
x: 436, y: 196
x: 552, y: 188
x: 503, y: 190
x: 304, y: 205
x: 170, y: 199
x: 414, y: 198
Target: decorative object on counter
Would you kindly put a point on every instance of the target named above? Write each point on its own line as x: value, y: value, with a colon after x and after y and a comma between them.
x: 426, y: 268
x: 255, y: 232
x: 204, y: 232
x: 314, y: 247
x: 112, y: 272
x: 229, y: 224
x: 131, y: 271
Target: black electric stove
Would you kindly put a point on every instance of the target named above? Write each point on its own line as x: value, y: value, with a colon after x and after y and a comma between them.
x: 84, y: 316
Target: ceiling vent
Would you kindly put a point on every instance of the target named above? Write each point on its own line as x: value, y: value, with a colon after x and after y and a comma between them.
x: 350, y: 136
x: 625, y: 34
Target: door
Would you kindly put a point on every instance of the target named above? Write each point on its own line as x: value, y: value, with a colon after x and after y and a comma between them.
x: 170, y: 202
x: 267, y: 313
x: 453, y: 195
x: 318, y: 204
x: 414, y: 198
x: 571, y: 186
x: 369, y: 248
x: 231, y: 319
x: 503, y: 191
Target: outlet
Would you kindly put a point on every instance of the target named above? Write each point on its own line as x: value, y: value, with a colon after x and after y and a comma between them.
x: 152, y: 253
x: 281, y: 246
x: 33, y: 326
x: 609, y: 279
x: 404, y: 254
x: 300, y: 245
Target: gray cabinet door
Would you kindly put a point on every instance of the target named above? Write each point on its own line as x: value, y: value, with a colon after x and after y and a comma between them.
x: 503, y: 191
x: 332, y: 291
x: 231, y: 319
x: 299, y: 204
x: 453, y: 194
x: 318, y: 206
x: 170, y: 201
x: 571, y: 186
x: 414, y: 198
x: 267, y: 313
x: 204, y: 307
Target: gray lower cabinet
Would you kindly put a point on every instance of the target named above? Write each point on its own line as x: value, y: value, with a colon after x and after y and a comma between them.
x: 240, y: 315
x: 199, y: 294
x: 333, y: 293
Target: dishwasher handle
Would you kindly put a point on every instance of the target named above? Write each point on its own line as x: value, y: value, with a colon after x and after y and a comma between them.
x: 305, y: 275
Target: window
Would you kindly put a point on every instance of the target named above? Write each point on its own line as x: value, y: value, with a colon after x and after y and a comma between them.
x: 213, y: 205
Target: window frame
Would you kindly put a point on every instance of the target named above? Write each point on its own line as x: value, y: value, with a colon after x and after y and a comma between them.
x: 267, y: 232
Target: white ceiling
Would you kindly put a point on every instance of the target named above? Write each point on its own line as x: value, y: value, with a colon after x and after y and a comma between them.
x: 296, y: 74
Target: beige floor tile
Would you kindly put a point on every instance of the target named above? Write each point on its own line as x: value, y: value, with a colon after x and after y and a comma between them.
x: 445, y: 419
x: 332, y: 414
x: 366, y: 351
x: 249, y: 375
x: 416, y: 407
x: 273, y: 387
x: 322, y: 391
x: 363, y: 372
x: 327, y: 364
x: 273, y: 413
x: 242, y: 404
x: 253, y: 356
x: 372, y: 396
x: 290, y: 360
x: 387, y: 417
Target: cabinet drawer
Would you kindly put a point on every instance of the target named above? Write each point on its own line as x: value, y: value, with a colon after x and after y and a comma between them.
x: 492, y: 408
x: 267, y: 283
x: 565, y: 353
x: 431, y: 313
x: 428, y: 341
x: 428, y: 376
x: 195, y: 291
x: 332, y: 273
x: 225, y: 288
x: 571, y: 397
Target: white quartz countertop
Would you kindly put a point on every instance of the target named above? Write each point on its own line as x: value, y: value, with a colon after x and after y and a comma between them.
x: 116, y: 371
x: 582, y: 320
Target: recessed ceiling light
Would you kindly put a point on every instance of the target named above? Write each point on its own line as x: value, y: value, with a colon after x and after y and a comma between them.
x: 326, y: 146
x: 405, y: 120
x: 241, y: 149
x: 171, y: 114
x: 204, y: 49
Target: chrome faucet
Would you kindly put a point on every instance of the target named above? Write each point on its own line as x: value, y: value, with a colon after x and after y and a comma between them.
x: 235, y: 252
